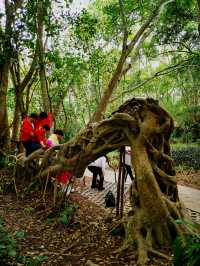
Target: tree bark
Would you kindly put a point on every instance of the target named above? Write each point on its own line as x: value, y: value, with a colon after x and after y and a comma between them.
x: 19, y: 87
x: 16, y: 120
x: 40, y: 51
x: 146, y: 127
x: 4, y: 75
x: 7, y: 54
x: 4, y: 129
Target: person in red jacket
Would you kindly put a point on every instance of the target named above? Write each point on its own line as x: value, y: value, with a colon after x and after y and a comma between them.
x: 44, y: 119
x: 28, y: 127
x: 27, y: 133
x: 40, y: 135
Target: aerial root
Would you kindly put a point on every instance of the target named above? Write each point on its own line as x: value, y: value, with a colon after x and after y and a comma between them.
x: 159, y: 254
x: 36, y: 154
x: 162, y: 175
x: 145, y: 236
x: 173, y: 208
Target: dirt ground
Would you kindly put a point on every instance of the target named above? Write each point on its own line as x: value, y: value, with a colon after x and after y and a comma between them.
x: 86, y: 240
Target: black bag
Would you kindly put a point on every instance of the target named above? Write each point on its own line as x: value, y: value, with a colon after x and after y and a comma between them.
x: 110, y: 200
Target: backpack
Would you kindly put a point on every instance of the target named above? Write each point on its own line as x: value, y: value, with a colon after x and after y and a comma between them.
x: 110, y: 200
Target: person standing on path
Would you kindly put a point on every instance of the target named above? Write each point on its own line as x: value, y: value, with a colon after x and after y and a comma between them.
x: 127, y: 163
x: 98, y: 168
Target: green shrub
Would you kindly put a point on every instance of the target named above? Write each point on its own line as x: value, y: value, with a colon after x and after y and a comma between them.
x: 186, y: 249
x: 10, y: 249
x: 8, y: 245
x: 2, y: 160
x: 188, y: 157
x: 63, y: 215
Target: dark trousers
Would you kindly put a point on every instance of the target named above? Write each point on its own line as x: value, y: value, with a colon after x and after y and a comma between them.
x: 96, y: 171
x: 31, y: 146
x: 128, y: 172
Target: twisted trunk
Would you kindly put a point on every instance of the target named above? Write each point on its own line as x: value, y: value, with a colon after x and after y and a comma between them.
x: 146, y: 127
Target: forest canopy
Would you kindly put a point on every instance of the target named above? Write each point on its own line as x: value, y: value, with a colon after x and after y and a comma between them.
x: 53, y: 58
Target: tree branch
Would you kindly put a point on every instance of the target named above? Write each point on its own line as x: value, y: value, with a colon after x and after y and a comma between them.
x: 29, y: 74
x: 119, y: 69
x: 156, y: 12
x: 162, y: 174
x: 124, y: 25
x: 198, y: 4
x: 162, y: 72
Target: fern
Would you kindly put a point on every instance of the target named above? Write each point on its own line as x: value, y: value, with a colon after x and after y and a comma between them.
x: 186, y: 249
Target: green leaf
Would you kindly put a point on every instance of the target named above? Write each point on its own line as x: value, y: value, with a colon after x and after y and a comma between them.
x: 41, y: 258
x: 179, y: 221
x: 12, y: 253
x: 64, y: 219
x: 20, y: 234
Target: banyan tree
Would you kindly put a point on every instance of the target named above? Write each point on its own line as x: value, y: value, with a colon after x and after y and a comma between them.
x: 145, y: 126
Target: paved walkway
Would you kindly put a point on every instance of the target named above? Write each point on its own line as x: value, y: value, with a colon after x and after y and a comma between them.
x: 189, y: 196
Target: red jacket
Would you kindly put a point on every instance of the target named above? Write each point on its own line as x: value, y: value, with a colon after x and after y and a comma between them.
x: 47, y: 121
x: 27, y: 130
x: 40, y: 135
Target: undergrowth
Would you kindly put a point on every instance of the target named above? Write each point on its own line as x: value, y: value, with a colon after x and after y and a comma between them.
x: 63, y: 215
x: 186, y: 248
x: 10, y: 253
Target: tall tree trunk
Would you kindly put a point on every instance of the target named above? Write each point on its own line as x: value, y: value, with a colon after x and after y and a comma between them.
x: 40, y: 51
x: 4, y: 76
x: 127, y: 48
x: 19, y: 87
x: 4, y: 129
x: 7, y: 54
x: 16, y: 120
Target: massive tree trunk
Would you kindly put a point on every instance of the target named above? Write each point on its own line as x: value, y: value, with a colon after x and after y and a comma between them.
x: 154, y: 195
x: 40, y: 51
x: 5, y: 60
x: 146, y: 127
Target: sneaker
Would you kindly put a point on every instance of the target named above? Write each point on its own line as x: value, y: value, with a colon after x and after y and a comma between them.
x: 101, y: 188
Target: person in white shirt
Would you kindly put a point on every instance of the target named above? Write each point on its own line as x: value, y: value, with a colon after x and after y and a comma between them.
x: 128, y: 162
x: 98, y: 168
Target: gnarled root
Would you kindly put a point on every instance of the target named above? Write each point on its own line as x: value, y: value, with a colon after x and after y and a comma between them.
x: 149, y: 231
x: 147, y: 236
